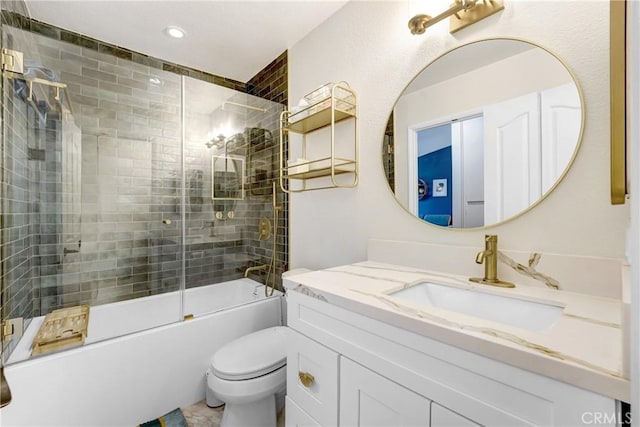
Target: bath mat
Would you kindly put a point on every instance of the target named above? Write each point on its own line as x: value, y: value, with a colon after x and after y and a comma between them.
x: 170, y: 419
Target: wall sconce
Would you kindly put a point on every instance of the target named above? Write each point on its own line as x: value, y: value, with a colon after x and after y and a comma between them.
x: 462, y: 12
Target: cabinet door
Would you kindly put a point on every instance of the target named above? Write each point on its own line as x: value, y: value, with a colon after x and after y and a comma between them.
x: 318, y: 395
x: 296, y: 417
x: 442, y: 417
x: 369, y: 399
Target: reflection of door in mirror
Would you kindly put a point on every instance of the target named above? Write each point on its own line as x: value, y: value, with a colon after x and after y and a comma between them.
x: 452, y: 152
x: 529, y: 140
x: 468, y: 144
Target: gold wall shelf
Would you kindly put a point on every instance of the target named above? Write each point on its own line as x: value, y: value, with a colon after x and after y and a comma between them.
x: 341, y: 166
x: 327, y: 106
x: 318, y: 120
x: 62, y: 329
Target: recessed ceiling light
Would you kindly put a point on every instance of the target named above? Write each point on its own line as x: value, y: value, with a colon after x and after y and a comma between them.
x: 175, y: 32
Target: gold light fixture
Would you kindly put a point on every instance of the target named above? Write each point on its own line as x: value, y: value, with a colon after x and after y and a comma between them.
x: 462, y: 12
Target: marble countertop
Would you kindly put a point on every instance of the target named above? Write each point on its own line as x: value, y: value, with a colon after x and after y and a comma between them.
x: 584, y: 347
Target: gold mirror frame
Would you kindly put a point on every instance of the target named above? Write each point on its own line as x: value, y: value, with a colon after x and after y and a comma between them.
x: 560, y: 178
x: 617, y: 52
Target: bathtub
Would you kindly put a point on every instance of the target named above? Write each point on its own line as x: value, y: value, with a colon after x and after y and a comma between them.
x: 151, y: 370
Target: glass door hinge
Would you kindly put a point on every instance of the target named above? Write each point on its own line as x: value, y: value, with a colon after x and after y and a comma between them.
x: 12, y: 327
x: 13, y: 61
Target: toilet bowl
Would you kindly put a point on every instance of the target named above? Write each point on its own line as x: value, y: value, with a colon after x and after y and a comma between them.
x: 249, y: 376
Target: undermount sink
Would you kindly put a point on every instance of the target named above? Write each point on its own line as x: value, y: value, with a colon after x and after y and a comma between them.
x: 523, y: 314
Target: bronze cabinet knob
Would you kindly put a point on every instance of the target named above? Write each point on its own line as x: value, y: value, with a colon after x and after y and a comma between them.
x: 306, y: 379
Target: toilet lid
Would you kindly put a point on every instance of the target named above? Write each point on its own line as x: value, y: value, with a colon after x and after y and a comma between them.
x: 252, y: 355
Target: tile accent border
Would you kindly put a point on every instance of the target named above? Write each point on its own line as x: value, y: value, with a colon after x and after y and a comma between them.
x: 17, y: 20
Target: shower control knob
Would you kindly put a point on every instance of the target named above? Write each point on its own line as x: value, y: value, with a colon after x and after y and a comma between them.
x: 166, y: 221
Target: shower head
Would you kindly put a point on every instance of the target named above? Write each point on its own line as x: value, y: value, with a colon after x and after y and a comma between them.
x: 216, y: 141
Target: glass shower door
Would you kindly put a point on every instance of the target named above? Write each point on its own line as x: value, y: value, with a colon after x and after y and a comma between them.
x: 41, y: 186
x: 5, y: 391
x: 91, y: 190
x: 231, y: 149
x: 20, y: 144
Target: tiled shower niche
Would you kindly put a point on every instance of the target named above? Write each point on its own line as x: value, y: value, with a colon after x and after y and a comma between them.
x: 94, y: 195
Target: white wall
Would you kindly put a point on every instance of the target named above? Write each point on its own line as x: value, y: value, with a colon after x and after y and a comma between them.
x: 368, y: 45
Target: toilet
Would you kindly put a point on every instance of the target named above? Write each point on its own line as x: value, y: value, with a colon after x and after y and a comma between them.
x: 248, y: 375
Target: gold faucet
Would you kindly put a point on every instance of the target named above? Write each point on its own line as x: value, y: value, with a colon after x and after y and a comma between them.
x: 490, y: 259
x: 257, y: 267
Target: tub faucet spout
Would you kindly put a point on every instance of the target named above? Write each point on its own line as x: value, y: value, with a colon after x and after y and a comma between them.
x: 257, y: 267
x: 490, y: 259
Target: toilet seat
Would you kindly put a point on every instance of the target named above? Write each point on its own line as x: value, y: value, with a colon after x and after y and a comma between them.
x: 252, y: 355
x: 251, y: 390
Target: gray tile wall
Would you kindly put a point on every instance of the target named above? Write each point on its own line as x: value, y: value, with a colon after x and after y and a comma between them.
x: 24, y: 176
x: 20, y: 223
x: 272, y: 83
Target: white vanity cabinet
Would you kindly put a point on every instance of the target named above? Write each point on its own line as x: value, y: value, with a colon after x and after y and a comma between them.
x: 369, y: 373
x: 296, y: 417
x: 442, y: 417
x: 369, y: 399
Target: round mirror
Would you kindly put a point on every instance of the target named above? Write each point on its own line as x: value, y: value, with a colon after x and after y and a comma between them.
x: 491, y: 127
